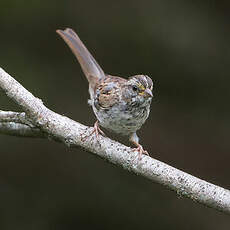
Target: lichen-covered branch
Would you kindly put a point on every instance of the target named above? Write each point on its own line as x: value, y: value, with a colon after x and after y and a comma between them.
x: 72, y: 133
x: 16, y: 124
x: 6, y: 116
x: 21, y: 130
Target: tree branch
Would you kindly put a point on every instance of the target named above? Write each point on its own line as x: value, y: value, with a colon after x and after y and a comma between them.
x: 16, y: 124
x: 6, y: 116
x: 17, y: 129
x: 61, y: 128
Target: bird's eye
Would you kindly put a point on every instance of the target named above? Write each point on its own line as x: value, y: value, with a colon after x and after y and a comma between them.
x: 135, y: 88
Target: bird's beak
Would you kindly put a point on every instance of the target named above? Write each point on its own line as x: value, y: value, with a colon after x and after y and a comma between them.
x: 148, y: 93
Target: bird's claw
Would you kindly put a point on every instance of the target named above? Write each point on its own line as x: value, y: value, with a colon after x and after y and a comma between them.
x: 140, y: 151
x: 96, y: 130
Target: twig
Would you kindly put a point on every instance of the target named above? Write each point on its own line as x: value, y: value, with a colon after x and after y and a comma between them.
x: 17, y: 129
x: 16, y: 124
x: 71, y: 133
x: 9, y: 116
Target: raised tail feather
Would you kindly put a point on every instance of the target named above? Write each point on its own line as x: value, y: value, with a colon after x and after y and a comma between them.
x: 90, y: 67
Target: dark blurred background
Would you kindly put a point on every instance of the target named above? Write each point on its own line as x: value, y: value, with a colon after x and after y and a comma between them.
x: 183, y: 45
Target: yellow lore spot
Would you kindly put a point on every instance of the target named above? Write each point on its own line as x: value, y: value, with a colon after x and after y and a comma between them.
x: 142, y: 89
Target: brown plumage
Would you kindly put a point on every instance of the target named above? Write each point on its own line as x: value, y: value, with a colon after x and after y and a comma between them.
x: 120, y: 105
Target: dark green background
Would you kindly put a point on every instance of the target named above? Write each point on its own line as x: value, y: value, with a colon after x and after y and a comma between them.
x: 183, y: 45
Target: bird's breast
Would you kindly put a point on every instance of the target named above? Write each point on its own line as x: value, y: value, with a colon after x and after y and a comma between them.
x: 121, y: 118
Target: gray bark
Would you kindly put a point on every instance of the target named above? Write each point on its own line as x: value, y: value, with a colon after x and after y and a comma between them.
x: 38, y: 121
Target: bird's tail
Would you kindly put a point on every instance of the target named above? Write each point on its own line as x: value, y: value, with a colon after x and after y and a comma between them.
x: 90, y: 67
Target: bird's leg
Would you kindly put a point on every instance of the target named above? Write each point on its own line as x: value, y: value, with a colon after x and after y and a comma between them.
x: 135, y: 140
x: 96, y: 130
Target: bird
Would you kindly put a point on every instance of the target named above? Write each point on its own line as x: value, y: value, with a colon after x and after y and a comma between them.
x: 121, y: 105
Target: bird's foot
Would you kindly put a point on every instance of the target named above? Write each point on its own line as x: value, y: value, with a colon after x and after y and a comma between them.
x: 96, y: 130
x: 135, y: 140
x: 140, y: 151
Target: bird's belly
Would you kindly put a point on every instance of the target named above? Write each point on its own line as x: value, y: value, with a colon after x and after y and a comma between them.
x: 123, y: 122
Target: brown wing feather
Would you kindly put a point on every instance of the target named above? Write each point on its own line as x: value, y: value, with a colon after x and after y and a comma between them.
x: 109, y: 91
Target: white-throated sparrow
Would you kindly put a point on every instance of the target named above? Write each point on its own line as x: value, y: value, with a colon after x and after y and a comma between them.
x: 120, y: 105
